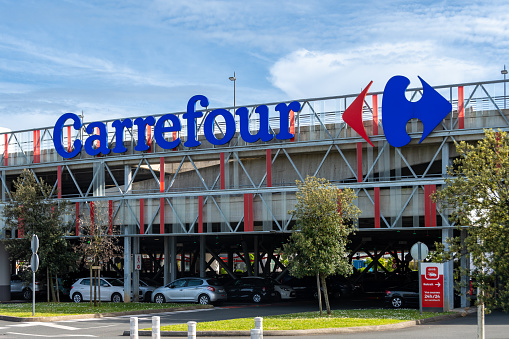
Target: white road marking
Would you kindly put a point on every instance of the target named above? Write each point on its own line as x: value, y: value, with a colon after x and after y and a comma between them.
x: 53, y: 335
x: 31, y: 324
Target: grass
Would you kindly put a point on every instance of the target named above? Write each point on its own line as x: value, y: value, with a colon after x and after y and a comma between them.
x: 43, y: 309
x: 312, y: 320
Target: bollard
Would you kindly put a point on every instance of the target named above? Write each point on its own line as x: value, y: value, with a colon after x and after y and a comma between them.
x: 134, y: 328
x: 191, y: 330
x: 156, y: 327
x: 259, y: 325
x: 256, y: 333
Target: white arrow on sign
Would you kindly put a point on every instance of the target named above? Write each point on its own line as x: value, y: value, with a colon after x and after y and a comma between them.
x: 438, y: 284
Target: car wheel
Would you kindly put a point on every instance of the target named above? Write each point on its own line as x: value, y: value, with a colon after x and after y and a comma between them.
x: 147, y: 297
x: 203, y: 299
x: 116, y: 298
x: 257, y: 298
x: 396, y: 302
x: 278, y: 296
x: 77, y: 297
x: 159, y: 299
x: 27, y: 294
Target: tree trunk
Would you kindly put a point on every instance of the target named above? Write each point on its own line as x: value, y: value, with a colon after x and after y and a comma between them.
x: 52, y: 288
x: 95, y: 288
x: 47, y: 285
x: 326, y: 295
x: 58, y: 290
x: 319, y: 292
x: 99, y: 285
x: 91, y: 284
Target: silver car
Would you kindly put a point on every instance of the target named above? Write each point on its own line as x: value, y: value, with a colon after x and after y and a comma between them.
x: 201, y: 290
x: 111, y: 290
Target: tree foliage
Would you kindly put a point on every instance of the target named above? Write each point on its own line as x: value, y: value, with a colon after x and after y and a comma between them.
x: 31, y: 212
x: 324, y: 216
x: 477, y: 196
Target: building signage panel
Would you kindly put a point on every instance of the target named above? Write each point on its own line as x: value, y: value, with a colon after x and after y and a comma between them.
x: 137, y: 262
x: 432, y: 287
x: 431, y: 109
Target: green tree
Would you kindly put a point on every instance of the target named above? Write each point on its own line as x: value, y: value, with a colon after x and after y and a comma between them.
x: 477, y: 195
x: 32, y: 212
x: 324, y: 216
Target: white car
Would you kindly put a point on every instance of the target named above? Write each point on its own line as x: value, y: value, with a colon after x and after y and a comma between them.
x: 146, y: 289
x: 283, y: 291
x: 112, y: 289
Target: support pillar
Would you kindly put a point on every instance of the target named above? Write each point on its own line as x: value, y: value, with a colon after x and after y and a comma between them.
x: 99, y: 184
x: 167, y: 255
x: 136, y: 273
x: 256, y: 256
x: 448, y: 273
x: 173, y: 258
x: 5, y: 277
x: 203, y: 264
x: 127, y: 265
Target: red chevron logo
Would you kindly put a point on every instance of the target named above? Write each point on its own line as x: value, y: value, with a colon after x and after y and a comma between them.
x: 353, y: 115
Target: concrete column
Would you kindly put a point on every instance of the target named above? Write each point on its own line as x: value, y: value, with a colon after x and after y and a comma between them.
x: 5, y: 277
x: 256, y: 256
x: 173, y: 258
x: 99, y: 184
x: 136, y: 273
x: 203, y: 252
x: 127, y: 266
x: 448, y: 274
x: 167, y: 277
x: 3, y: 189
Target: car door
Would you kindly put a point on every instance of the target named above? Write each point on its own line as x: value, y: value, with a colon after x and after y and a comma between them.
x: 176, y: 290
x: 234, y: 289
x: 193, y: 289
x: 106, y: 290
x: 84, y: 288
x: 16, y: 284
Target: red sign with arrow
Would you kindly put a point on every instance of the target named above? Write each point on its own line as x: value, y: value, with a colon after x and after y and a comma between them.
x: 432, y: 286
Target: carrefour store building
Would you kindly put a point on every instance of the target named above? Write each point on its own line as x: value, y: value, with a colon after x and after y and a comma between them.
x: 196, y: 191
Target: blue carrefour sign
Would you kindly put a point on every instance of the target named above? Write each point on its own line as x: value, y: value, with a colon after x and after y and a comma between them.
x: 431, y: 109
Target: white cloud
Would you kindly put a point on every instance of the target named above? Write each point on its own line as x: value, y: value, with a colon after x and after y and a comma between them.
x: 305, y: 74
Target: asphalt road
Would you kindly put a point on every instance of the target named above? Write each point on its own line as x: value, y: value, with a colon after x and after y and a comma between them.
x: 464, y: 328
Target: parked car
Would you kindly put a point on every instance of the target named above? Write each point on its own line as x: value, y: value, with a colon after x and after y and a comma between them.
x: 146, y: 290
x: 283, y: 292
x: 255, y: 289
x: 112, y: 289
x: 403, y: 296
x: 201, y: 290
x: 24, y: 289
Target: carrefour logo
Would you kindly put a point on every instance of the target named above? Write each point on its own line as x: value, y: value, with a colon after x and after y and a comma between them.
x: 431, y: 109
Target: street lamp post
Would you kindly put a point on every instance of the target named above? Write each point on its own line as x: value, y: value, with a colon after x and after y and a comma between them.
x: 233, y: 78
x: 504, y: 72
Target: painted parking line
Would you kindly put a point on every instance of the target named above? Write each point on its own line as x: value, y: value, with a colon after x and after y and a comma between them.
x: 53, y: 335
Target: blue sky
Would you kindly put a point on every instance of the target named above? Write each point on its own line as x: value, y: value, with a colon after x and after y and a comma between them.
x: 115, y: 59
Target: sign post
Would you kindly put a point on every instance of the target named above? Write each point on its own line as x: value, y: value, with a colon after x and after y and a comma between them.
x: 34, y: 265
x: 432, y: 286
x: 419, y: 251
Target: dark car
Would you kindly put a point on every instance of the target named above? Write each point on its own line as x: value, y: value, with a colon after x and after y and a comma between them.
x: 255, y: 289
x: 403, y: 296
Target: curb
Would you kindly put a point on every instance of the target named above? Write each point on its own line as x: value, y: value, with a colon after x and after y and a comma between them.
x: 341, y: 330
x: 101, y: 315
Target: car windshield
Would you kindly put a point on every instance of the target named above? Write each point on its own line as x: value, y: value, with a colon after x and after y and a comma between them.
x: 213, y: 282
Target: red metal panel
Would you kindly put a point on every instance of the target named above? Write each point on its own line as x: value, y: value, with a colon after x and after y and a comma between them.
x: 221, y: 169
x: 69, y: 139
x: 433, y: 207
x: 246, y: 214
x: 175, y: 138
x: 426, y: 206
x: 269, y: 168
x: 110, y: 217
x: 292, y: 124
x: 375, y: 115
x: 59, y: 181
x: 161, y: 215
x: 6, y: 151
x: 161, y: 174
x: 142, y: 216
x: 149, y: 138
x: 200, y: 214
x: 37, y: 147
x: 377, y: 207
x: 359, y: 162
x: 77, y: 218
x: 251, y: 219
x: 461, y: 109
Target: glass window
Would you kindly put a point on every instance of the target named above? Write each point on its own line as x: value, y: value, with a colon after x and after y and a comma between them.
x: 178, y: 283
x: 85, y: 282
x: 194, y: 282
x: 213, y: 282
x: 116, y: 282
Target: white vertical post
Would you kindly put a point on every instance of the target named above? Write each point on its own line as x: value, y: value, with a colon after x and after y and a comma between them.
x: 255, y: 334
x: 156, y: 327
x: 134, y: 328
x: 259, y: 326
x: 480, y: 318
x: 191, y: 330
